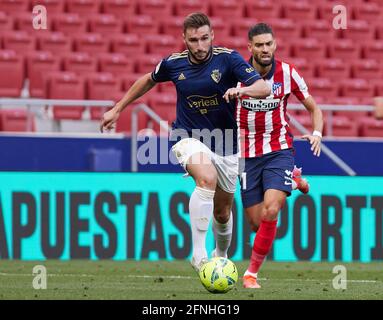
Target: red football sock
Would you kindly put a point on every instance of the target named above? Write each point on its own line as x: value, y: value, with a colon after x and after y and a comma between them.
x: 262, y: 244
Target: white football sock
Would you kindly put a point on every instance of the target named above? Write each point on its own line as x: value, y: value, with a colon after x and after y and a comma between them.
x: 248, y: 273
x: 223, y: 233
x: 201, y: 207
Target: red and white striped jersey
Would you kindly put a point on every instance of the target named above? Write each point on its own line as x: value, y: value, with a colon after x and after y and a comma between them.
x: 262, y: 123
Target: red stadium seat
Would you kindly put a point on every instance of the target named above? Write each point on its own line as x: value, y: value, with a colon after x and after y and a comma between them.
x: 81, y: 63
x: 358, y: 88
x: 105, y: 24
x: 38, y: 63
x: 19, y: 41
x: 358, y: 30
x: 6, y: 22
x: 322, y: 87
x: 262, y: 10
x: 17, y: 120
x: 24, y: 22
x: 343, y: 127
x: 66, y: 85
x: 240, y: 26
x: 83, y: 7
x: 325, y: 11
x: 173, y: 26
x: 129, y: 44
x: 379, y: 32
x: 283, y: 51
x: 299, y: 11
x: 373, y: 50
x: 220, y: 27
x: 93, y: 43
x: 115, y: 63
x: 371, y: 128
x: 319, y: 29
x: 165, y: 107
x: 147, y: 63
x: 69, y: 24
x: 303, y: 66
x: 52, y: 6
x: 366, y: 69
x: 285, y: 29
x: 167, y: 87
x: 157, y: 9
x: 332, y: 68
x: 304, y: 120
x: 161, y: 44
x: 120, y: 8
x: 350, y: 103
x: 378, y: 85
x: 344, y: 49
x: 14, y: 6
x: 236, y: 43
x: 56, y: 42
x: 367, y: 11
x: 124, y: 122
x: 309, y: 48
x: 226, y: 8
x: 142, y: 24
x: 185, y: 7
x: 11, y: 73
x: 129, y: 79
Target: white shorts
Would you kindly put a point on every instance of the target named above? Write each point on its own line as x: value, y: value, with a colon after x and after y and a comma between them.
x: 227, y: 166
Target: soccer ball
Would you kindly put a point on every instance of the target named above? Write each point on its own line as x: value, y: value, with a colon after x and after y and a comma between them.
x: 218, y: 275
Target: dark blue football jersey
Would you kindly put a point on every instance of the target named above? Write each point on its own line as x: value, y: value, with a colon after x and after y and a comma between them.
x: 202, y: 111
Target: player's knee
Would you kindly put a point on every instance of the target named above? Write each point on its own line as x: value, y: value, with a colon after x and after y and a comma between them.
x: 270, y: 211
x: 207, y: 180
x: 222, y: 213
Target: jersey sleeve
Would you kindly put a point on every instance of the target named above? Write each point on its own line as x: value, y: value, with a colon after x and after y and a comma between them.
x: 242, y: 70
x: 161, y: 72
x: 298, y: 85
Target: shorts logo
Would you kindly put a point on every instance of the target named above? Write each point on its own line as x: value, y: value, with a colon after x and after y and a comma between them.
x: 288, y: 177
x: 216, y: 75
x: 277, y: 88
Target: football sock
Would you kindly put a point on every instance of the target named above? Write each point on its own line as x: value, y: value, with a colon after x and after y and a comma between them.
x: 262, y: 244
x: 201, y: 210
x: 222, y: 234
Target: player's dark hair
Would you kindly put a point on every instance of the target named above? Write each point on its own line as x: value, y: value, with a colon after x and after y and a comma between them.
x: 196, y: 20
x: 259, y: 28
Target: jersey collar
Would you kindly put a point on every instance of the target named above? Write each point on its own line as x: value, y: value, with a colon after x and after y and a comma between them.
x: 202, y: 63
x: 268, y: 75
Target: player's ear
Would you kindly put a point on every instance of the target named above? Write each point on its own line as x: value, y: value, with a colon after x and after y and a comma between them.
x: 249, y: 46
x: 212, y: 34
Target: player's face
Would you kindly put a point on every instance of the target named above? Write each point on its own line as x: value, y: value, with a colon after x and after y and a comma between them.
x: 262, y: 48
x: 199, y: 42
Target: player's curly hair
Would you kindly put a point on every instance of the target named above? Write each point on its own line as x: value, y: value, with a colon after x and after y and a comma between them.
x: 259, y: 28
x: 196, y: 20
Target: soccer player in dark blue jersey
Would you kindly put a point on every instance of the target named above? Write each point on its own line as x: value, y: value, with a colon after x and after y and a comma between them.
x: 205, y: 130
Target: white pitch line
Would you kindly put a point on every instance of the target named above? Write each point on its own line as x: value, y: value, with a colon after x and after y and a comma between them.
x: 175, y: 277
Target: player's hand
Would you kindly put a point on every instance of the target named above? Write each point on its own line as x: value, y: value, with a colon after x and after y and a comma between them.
x: 232, y: 93
x: 315, y: 142
x: 109, y: 119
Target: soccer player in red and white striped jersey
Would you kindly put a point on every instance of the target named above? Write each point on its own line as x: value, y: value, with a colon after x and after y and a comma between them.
x: 266, y: 144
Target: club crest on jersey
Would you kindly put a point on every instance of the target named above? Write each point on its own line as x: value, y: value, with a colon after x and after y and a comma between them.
x: 216, y: 75
x: 277, y: 88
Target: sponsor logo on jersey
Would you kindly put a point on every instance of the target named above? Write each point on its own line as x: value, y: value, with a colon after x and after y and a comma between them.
x: 216, y: 75
x: 277, y: 88
x: 201, y: 102
x: 250, y: 70
x: 260, y: 104
x: 181, y: 76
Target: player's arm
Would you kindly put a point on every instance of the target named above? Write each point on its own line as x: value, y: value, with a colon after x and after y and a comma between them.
x: 139, y: 88
x: 315, y: 138
x: 259, y: 89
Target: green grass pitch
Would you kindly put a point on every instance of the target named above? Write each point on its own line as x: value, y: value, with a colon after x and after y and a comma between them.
x: 176, y: 280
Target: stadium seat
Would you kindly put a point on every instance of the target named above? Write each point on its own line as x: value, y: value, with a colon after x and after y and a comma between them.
x: 14, y: 6
x: 304, y: 120
x: 240, y: 26
x: 167, y: 87
x: 172, y: 27
x: 38, y: 63
x: 105, y: 24
x: 367, y: 12
x: 129, y: 44
x: 379, y: 31
x: 81, y: 63
x: 185, y: 7
x: 309, y: 48
x: 358, y: 88
x: 262, y: 10
x: 358, y: 30
x: 325, y: 11
x: 318, y: 29
x: 52, y: 6
x: 378, y: 85
x: 157, y: 9
x: 93, y: 43
x: 350, y: 103
x: 373, y: 50
x: 24, y: 22
x: 285, y: 29
x: 322, y: 87
x: 371, y: 127
x: 6, y: 22
x: 69, y: 24
x: 66, y: 85
x: 160, y: 44
x: 11, y: 73
x: 303, y: 66
x: 17, y: 120
x: 19, y: 41
x: 116, y: 63
x: 299, y: 11
x: 56, y: 42
x: 344, y: 49
x: 220, y: 27
x: 283, y: 51
x: 226, y: 8
x: 342, y: 127
x: 147, y: 63
x: 235, y: 43
x: 332, y: 68
x: 166, y: 113
x: 366, y: 69
x: 142, y: 24
x: 124, y: 122
x: 119, y: 8
x: 83, y: 7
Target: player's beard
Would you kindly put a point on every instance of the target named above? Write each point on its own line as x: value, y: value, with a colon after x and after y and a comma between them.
x: 262, y: 63
x: 200, y: 56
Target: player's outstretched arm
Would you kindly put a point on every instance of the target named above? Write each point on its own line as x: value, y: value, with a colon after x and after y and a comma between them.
x: 139, y: 88
x: 259, y: 89
x: 315, y: 138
